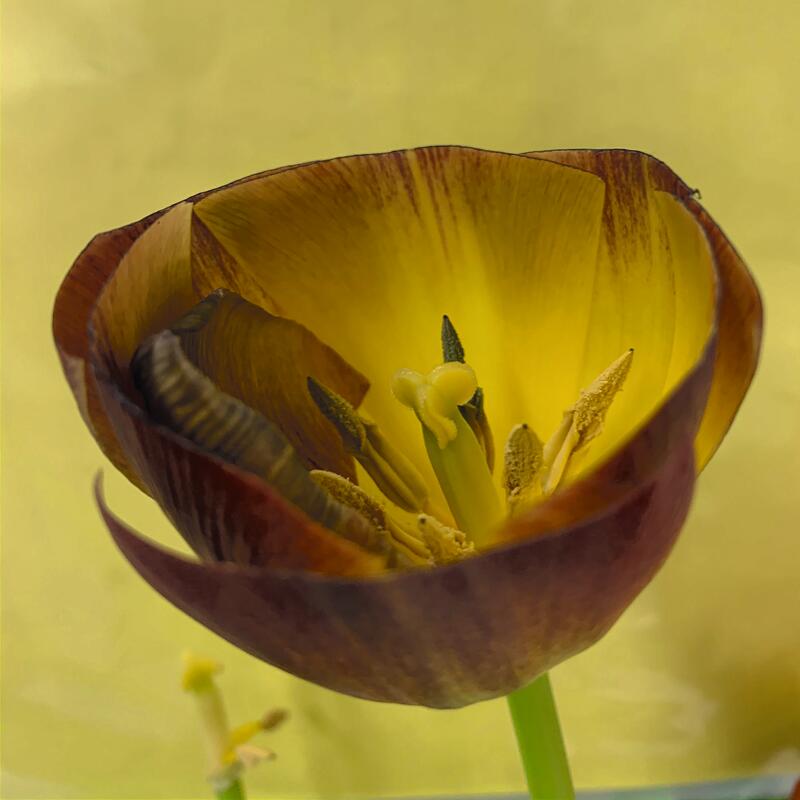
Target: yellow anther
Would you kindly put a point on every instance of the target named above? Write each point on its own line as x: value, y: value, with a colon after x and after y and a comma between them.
x: 435, y: 397
x: 445, y: 544
x: 584, y: 421
x: 522, y: 468
x: 199, y: 672
x: 594, y: 402
x: 349, y: 494
x: 386, y: 536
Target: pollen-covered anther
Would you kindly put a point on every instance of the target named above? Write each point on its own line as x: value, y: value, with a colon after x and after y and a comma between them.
x: 590, y: 409
x: 446, y: 544
x: 522, y: 468
x: 473, y: 411
x: 393, y: 473
x: 339, y: 412
x: 384, y: 539
x: 584, y: 421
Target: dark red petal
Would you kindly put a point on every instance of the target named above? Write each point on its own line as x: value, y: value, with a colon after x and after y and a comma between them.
x: 444, y: 637
x: 264, y: 361
x: 76, y: 300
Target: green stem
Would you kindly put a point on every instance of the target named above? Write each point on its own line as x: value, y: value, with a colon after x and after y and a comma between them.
x: 233, y: 791
x: 541, y: 745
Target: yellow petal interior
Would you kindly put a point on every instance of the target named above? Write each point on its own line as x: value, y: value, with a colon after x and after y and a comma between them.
x: 370, y: 251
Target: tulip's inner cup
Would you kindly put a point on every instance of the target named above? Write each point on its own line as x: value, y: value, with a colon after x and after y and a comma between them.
x: 484, y: 300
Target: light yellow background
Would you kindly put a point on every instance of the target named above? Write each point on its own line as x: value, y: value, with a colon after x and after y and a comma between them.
x: 114, y: 108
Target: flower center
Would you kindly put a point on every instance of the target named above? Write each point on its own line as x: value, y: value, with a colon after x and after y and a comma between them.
x: 449, y: 405
x: 405, y: 527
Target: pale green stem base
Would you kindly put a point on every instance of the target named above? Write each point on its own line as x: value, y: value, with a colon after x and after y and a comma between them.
x: 234, y: 791
x: 541, y: 745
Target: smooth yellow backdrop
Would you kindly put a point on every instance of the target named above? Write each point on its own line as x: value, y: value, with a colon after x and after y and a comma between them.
x: 114, y: 108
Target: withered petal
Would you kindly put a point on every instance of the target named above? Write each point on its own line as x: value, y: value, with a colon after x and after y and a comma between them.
x: 78, y: 295
x: 264, y: 360
x: 73, y: 306
x: 740, y: 315
x: 115, y: 315
x: 443, y: 637
x: 223, y: 512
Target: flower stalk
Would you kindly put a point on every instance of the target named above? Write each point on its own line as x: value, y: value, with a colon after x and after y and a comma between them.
x: 460, y: 465
x: 541, y: 745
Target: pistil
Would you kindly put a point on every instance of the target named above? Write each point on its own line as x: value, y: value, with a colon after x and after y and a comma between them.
x: 453, y: 450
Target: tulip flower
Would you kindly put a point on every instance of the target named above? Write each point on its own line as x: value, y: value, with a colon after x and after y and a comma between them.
x: 575, y: 315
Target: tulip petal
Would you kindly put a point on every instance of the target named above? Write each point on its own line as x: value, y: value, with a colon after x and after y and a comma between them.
x: 76, y: 300
x: 264, y: 361
x: 740, y: 316
x: 73, y: 306
x: 443, y: 637
x: 223, y: 512
x: 140, y: 280
x: 260, y: 359
x: 502, y: 244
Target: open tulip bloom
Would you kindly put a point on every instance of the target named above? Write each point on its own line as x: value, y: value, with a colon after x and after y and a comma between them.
x: 430, y: 419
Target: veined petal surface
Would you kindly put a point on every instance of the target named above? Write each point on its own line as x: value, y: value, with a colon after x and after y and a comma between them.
x: 638, y: 176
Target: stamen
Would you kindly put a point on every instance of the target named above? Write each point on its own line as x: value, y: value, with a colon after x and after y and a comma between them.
x: 339, y: 412
x: 584, y: 421
x: 408, y: 474
x: 352, y: 496
x: 407, y: 540
x: 445, y: 544
x: 392, y: 472
x: 473, y: 410
x: 384, y: 532
x: 594, y: 402
x: 522, y: 468
x: 452, y: 349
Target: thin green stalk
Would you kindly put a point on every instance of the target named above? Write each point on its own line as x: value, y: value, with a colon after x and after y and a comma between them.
x: 233, y: 791
x: 541, y: 745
